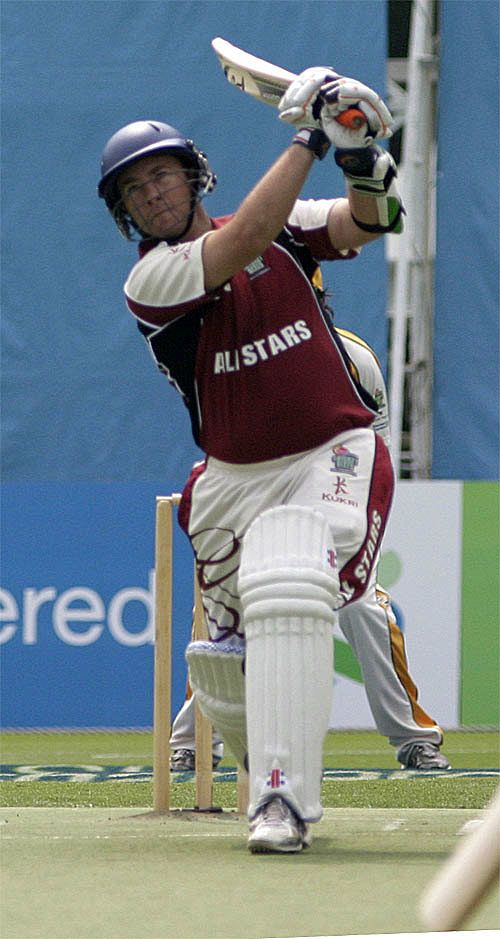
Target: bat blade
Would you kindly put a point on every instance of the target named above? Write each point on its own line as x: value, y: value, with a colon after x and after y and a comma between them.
x: 265, y: 81
x: 249, y: 73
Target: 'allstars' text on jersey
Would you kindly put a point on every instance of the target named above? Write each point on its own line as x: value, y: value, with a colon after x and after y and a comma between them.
x: 257, y: 362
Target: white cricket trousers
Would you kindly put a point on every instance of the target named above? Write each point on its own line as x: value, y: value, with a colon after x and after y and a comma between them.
x: 349, y: 480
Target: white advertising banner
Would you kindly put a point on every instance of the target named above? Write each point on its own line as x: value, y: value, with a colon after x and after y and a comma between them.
x: 421, y: 568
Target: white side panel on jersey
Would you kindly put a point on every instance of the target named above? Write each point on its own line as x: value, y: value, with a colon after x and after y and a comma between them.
x: 288, y: 584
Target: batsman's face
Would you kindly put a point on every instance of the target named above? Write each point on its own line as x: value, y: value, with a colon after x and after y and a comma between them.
x: 157, y: 194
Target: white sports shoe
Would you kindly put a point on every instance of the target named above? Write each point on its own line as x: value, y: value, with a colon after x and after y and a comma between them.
x: 276, y: 828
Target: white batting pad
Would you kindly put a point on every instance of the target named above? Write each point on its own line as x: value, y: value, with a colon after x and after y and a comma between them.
x: 288, y: 584
x: 218, y: 682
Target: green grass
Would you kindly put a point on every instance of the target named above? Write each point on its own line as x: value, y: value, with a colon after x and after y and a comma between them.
x: 368, y: 750
x: 147, y: 875
x: 343, y: 750
x: 119, y: 873
x: 382, y: 793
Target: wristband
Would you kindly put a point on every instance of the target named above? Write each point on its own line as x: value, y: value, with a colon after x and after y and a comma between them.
x: 313, y: 139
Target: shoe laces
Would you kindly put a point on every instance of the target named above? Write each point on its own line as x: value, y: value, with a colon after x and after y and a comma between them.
x: 277, y: 810
x: 429, y: 749
x: 183, y: 757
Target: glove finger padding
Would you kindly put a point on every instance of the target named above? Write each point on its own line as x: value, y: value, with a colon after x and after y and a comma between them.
x: 343, y: 93
x: 301, y: 104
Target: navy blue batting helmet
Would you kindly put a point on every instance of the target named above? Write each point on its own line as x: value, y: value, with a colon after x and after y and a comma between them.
x: 141, y: 139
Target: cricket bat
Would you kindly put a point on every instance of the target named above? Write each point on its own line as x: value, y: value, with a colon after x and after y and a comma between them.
x: 466, y: 877
x: 265, y: 81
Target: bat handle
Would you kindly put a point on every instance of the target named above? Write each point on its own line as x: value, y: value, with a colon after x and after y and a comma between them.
x: 352, y: 118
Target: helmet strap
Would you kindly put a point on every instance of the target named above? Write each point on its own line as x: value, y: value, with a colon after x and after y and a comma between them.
x: 194, y: 202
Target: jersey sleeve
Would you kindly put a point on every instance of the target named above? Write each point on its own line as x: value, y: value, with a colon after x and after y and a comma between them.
x: 308, y: 223
x: 167, y: 282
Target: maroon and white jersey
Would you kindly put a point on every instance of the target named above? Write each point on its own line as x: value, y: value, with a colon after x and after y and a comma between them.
x: 257, y: 361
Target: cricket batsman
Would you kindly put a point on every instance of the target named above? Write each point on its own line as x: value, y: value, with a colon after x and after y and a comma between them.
x: 234, y: 319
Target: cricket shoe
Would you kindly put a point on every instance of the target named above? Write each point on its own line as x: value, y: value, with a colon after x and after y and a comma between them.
x: 183, y: 761
x: 423, y: 756
x: 277, y: 829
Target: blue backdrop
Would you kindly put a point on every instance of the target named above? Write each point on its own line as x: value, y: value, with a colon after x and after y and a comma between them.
x: 82, y: 400
x: 466, y: 327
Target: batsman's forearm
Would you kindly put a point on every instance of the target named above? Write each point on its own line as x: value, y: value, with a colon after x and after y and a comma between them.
x: 259, y: 219
x: 364, y: 208
x: 266, y: 209
x: 344, y: 233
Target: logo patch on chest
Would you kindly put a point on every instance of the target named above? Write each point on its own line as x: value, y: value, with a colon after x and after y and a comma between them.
x: 256, y: 267
x: 344, y: 461
x: 260, y: 350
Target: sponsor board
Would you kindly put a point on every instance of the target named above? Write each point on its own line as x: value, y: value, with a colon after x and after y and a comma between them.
x: 76, y: 605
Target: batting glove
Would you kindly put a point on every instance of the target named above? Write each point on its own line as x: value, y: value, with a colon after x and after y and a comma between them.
x: 301, y: 104
x: 339, y: 95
